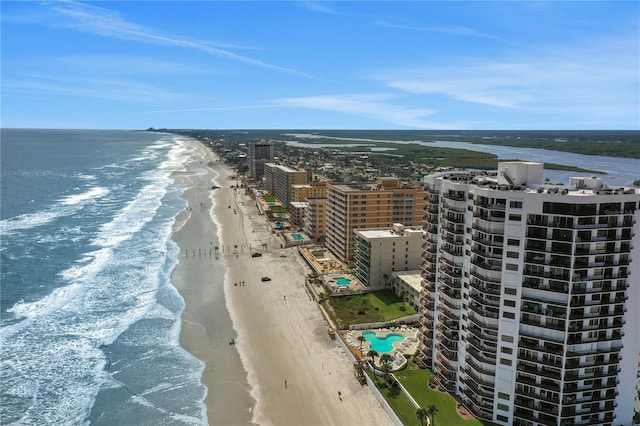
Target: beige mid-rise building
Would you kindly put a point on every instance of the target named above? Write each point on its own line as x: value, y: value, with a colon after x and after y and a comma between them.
x: 367, y: 206
x: 315, y: 218
x: 279, y: 181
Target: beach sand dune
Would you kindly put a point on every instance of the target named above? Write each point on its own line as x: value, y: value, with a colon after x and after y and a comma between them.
x: 282, y: 368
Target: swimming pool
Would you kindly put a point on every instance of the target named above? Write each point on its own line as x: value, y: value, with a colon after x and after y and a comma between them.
x: 297, y: 237
x: 342, y: 281
x: 382, y: 344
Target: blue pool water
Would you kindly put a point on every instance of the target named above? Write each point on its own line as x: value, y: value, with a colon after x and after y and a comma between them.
x: 342, y: 281
x: 297, y: 237
x: 382, y: 344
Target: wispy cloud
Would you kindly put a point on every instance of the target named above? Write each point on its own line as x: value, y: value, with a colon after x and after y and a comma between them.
x: 448, y: 29
x: 316, y: 6
x: 598, y: 78
x: 111, y: 64
x: 104, y: 22
x: 97, y: 88
x: 378, y: 107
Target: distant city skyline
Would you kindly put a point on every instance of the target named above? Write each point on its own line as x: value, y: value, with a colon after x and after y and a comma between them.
x: 321, y: 65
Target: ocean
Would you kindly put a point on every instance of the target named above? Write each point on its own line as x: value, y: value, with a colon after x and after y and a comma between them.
x: 89, y: 319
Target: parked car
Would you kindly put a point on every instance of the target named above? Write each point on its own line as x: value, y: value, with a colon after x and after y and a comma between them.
x: 256, y: 254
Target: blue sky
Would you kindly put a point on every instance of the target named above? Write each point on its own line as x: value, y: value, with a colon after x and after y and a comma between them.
x: 321, y: 65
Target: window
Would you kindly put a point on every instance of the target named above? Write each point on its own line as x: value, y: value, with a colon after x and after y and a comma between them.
x: 506, y: 350
x: 509, y: 315
x: 503, y: 407
x: 511, y: 267
x: 513, y: 254
x: 513, y: 242
x: 516, y: 217
x: 505, y: 361
x: 515, y: 204
x: 503, y: 419
x: 507, y: 338
x: 510, y: 303
x: 503, y: 395
x: 511, y: 291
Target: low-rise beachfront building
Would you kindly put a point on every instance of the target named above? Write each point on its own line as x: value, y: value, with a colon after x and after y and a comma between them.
x: 315, y: 218
x: 531, y: 295
x: 279, y: 181
x: 369, y: 206
x: 380, y: 252
x: 296, y: 213
x: 408, y: 286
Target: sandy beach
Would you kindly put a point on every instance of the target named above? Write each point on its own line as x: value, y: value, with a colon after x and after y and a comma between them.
x: 282, y: 368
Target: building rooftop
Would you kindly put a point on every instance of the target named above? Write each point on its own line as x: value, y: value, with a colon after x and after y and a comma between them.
x: 389, y: 233
x: 413, y: 278
x: 519, y: 180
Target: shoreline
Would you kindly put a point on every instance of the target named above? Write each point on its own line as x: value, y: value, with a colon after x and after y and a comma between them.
x: 206, y: 328
x: 283, y: 368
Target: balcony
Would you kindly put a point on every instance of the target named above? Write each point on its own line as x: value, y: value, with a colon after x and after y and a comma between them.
x: 543, y: 322
x: 476, y: 389
x: 480, y: 356
x: 486, y: 301
x: 447, y: 369
x: 549, y: 348
x: 540, y: 370
x: 451, y: 304
x: 495, y: 228
x: 483, y: 346
x: 547, y: 384
x: 527, y: 416
x: 452, y: 282
x: 591, y: 373
x: 484, y: 312
x: 484, y: 334
x: 484, y: 322
x: 490, y: 264
x: 486, y: 276
x: 527, y: 392
x: 447, y: 314
x: 484, y: 286
x: 479, y: 238
x: 573, y: 363
x: 573, y: 387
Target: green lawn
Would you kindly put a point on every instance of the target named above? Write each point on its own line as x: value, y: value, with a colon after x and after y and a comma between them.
x: 379, y: 306
x: 416, y: 383
x: 402, y: 406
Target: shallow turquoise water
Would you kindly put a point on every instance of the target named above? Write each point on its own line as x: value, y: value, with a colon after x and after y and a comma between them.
x: 382, y: 344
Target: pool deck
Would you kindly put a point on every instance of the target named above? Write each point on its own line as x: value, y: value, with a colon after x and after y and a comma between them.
x: 408, y: 346
x: 328, y: 267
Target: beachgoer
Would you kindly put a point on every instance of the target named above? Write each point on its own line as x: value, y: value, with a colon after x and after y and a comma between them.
x: 285, y: 383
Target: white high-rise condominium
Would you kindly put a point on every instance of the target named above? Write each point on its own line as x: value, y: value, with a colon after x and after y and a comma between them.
x: 530, y: 307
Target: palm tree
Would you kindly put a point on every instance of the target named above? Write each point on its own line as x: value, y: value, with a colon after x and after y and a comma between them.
x: 422, y: 415
x: 373, y: 354
x: 385, y: 365
x: 361, y: 339
x: 432, y: 410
